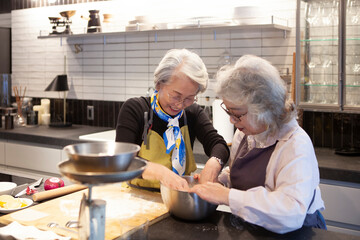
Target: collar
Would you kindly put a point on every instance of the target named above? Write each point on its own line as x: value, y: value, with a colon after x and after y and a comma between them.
x: 262, y: 140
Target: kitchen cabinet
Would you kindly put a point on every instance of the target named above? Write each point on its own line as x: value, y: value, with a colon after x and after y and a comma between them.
x: 328, y: 55
x: 342, y: 206
x: 34, y: 158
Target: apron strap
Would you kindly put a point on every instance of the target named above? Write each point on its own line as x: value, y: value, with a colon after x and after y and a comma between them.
x: 147, y: 127
x: 312, y: 200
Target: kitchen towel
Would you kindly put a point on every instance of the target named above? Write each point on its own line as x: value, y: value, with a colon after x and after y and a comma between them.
x: 221, y: 122
x: 18, y: 231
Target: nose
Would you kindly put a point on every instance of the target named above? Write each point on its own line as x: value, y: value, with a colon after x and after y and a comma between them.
x: 179, y: 104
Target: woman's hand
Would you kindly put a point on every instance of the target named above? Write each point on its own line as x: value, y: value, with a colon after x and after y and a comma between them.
x: 212, y: 192
x: 210, y: 172
x: 168, y: 178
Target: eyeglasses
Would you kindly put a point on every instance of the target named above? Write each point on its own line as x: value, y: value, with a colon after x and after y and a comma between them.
x: 232, y: 116
x: 186, y: 101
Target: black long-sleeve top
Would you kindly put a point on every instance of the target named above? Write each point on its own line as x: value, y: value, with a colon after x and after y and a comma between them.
x: 130, y: 126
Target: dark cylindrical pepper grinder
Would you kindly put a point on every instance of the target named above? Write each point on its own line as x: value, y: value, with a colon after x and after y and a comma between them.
x: 9, y: 117
x: 94, y: 24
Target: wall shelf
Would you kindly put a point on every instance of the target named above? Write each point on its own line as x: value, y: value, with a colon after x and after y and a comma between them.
x: 283, y: 28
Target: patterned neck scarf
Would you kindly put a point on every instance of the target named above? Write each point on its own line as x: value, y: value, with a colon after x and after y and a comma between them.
x: 173, y: 138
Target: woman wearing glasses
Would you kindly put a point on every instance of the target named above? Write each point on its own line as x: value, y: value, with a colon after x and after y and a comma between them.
x: 273, y: 178
x: 166, y: 124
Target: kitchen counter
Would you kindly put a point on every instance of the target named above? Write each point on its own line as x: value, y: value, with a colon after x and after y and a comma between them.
x: 332, y: 166
x: 223, y: 225
x: 56, y: 137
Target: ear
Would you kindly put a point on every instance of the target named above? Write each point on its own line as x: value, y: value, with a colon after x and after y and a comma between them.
x: 158, y: 86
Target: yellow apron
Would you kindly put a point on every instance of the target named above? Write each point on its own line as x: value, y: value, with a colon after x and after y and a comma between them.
x: 160, y: 156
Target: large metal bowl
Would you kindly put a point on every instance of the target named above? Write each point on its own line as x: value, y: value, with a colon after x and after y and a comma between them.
x: 185, y: 205
x: 102, y: 156
x: 86, y: 175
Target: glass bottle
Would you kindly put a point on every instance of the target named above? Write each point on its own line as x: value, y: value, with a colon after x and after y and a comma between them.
x: 207, y: 108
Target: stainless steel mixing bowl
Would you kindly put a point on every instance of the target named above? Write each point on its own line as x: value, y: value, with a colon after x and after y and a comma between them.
x: 102, y: 156
x: 184, y: 205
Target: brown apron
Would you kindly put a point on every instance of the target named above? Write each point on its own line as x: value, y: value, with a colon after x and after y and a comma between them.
x: 249, y: 171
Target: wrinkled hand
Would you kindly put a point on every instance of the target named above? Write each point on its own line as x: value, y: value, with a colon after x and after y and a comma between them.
x: 212, y: 192
x: 168, y: 178
x: 210, y: 172
x: 174, y: 181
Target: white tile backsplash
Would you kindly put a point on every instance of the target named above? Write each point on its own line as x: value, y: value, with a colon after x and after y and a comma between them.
x: 118, y: 66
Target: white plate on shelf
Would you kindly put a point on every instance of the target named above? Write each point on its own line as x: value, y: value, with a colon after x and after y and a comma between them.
x: 28, y: 202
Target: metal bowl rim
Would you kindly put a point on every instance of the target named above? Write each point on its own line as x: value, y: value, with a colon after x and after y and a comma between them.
x: 66, y: 149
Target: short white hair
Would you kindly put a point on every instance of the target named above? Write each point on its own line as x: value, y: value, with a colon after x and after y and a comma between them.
x: 254, y: 82
x: 185, y: 61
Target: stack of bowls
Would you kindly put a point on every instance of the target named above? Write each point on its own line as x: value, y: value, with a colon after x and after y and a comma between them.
x: 102, y: 156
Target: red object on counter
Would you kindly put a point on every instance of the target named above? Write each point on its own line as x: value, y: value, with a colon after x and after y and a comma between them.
x: 52, y: 183
x: 30, y: 191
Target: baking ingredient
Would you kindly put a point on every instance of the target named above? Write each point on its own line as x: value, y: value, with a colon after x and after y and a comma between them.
x: 52, y: 183
x: 9, y: 202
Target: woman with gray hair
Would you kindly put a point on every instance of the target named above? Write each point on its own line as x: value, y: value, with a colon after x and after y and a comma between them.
x: 166, y: 124
x: 273, y: 178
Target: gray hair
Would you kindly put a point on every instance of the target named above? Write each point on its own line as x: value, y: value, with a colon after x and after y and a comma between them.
x: 254, y: 82
x: 182, y: 60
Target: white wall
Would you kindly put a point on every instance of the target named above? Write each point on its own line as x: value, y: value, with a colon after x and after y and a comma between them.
x: 119, y: 66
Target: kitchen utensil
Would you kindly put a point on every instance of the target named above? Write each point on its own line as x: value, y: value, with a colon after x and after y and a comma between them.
x: 122, y: 202
x: 72, y: 224
x: 66, y: 22
x: 33, y: 185
x: 56, y: 225
x: 91, y: 218
x: 94, y: 24
x: 92, y: 176
x: 40, y: 196
x: 6, y: 188
x: 101, y: 156
x: 107, y: 17
x: 185, y: 205
x: 94, y: 164
x: 68, y: 14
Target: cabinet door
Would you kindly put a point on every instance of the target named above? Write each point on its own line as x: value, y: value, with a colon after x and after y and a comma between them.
x: 32, y: 157
x: 319, y: 53
x: 352, y: 88
x: 342, y: 204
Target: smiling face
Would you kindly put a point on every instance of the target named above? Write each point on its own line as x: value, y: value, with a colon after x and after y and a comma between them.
x: 243, y: 123
x: 177, y: 94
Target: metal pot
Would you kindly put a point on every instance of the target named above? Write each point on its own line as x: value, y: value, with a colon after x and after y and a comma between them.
x: 185, y: 205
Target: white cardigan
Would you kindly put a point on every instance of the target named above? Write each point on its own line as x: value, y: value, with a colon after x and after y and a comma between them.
x: 292, y: 175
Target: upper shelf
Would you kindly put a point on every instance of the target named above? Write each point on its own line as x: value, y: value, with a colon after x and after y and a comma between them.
x: 273, y: 24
